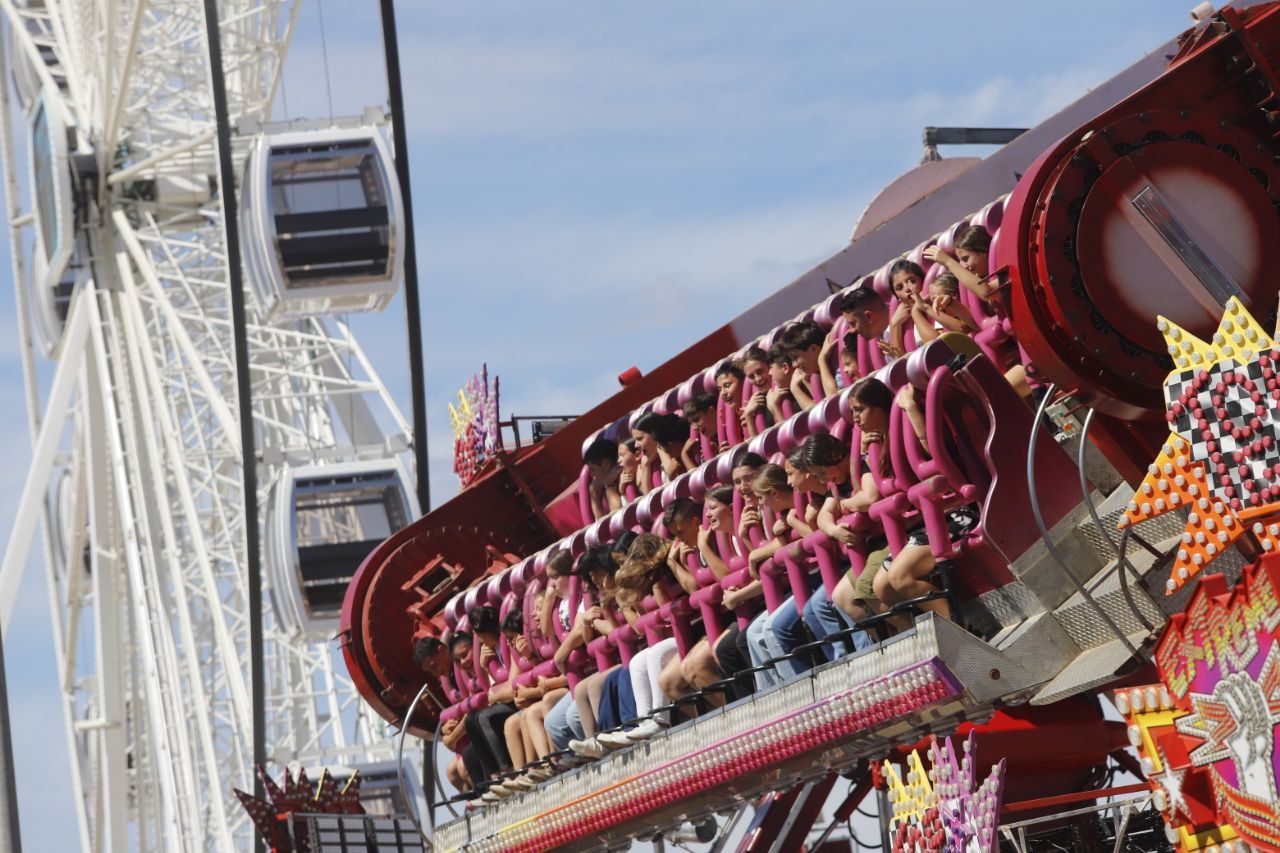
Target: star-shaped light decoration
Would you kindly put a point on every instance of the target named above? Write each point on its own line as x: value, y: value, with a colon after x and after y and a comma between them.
x: 271, y: 815
x: 1172, y: 781
x: 945, y: 808
x: 1222, y: 458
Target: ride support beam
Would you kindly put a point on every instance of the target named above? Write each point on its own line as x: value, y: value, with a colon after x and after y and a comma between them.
x: 244, y: 394
x: 412, y: 306
x: 800, y: 820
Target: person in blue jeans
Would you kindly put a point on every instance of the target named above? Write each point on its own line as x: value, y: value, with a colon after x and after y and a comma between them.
x: 563, y: 723
x: 824, y: 618
x: 779, y: 633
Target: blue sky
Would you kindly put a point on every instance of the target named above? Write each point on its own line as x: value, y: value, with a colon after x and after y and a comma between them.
x: 597, y: 186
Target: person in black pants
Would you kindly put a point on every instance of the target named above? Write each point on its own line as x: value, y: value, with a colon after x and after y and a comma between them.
x: 485, y: 756
x: 484, y: 727
x: 734, y: 658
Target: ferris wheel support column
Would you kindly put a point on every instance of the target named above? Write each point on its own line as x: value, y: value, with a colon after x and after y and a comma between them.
x: 244, y: 391
x: 110, y: 752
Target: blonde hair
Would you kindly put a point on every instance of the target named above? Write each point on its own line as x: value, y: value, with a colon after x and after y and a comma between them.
x: 639, y: 571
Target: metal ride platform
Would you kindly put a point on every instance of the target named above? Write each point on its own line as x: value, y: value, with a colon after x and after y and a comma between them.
x: 927, y: 680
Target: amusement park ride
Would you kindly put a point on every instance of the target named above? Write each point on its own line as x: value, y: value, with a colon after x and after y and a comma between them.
x: 1130, y: 517
x: 1129, y: 551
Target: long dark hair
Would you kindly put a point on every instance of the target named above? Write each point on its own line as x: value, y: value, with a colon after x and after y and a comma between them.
x: 974, y: 239
x: 901, y: 265
x: 874, y: 393
x: 665, y: 429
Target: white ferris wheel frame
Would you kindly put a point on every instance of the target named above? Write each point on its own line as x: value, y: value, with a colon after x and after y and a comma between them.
x: 151, y: 641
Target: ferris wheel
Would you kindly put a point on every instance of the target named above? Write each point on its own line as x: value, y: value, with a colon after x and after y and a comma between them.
x: 123, y: 272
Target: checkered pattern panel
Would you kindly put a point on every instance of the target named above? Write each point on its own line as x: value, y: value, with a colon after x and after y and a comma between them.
x: 1229, y: 414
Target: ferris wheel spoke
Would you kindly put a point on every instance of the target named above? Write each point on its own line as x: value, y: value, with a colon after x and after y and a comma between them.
x: 170, y: 719
x: 196, y: 364
x: 42, y: 458
x: 192, y: 564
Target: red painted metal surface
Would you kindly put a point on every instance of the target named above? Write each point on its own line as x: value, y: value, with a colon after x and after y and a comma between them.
x: 1047, y: 748
x: 1045, y: 803
x: 771, y: 813
x: 1087, y: 268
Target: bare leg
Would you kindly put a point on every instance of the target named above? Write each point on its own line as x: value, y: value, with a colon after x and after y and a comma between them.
x: 537, y: 713
x: 907, y: 573
x: 672, y: 684
x: 515, y: 740
x: 534, y: 715
x: 583, y: 700
x: 699, y: 669
x: 1017, y: 377
x: 671, y: 680
x: 456, y: 773
x: 527, y: 736
x: 843, y: 598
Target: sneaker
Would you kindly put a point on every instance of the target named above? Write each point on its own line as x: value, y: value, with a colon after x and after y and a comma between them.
x: 537, y: 774
x: 561, y: 763
x: 520, y: 783
x: 645, y: 730
x: 613, y: 740
x: 589, y: 748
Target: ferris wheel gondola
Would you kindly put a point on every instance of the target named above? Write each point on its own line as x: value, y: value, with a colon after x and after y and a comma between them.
x: 323, y: 221
x: 50, y: 278
x: 322, y: 521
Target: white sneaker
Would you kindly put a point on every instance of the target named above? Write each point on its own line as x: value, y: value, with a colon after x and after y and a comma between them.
x: 589, y: 748
x: 613, y: 740
x: 645, y: 730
